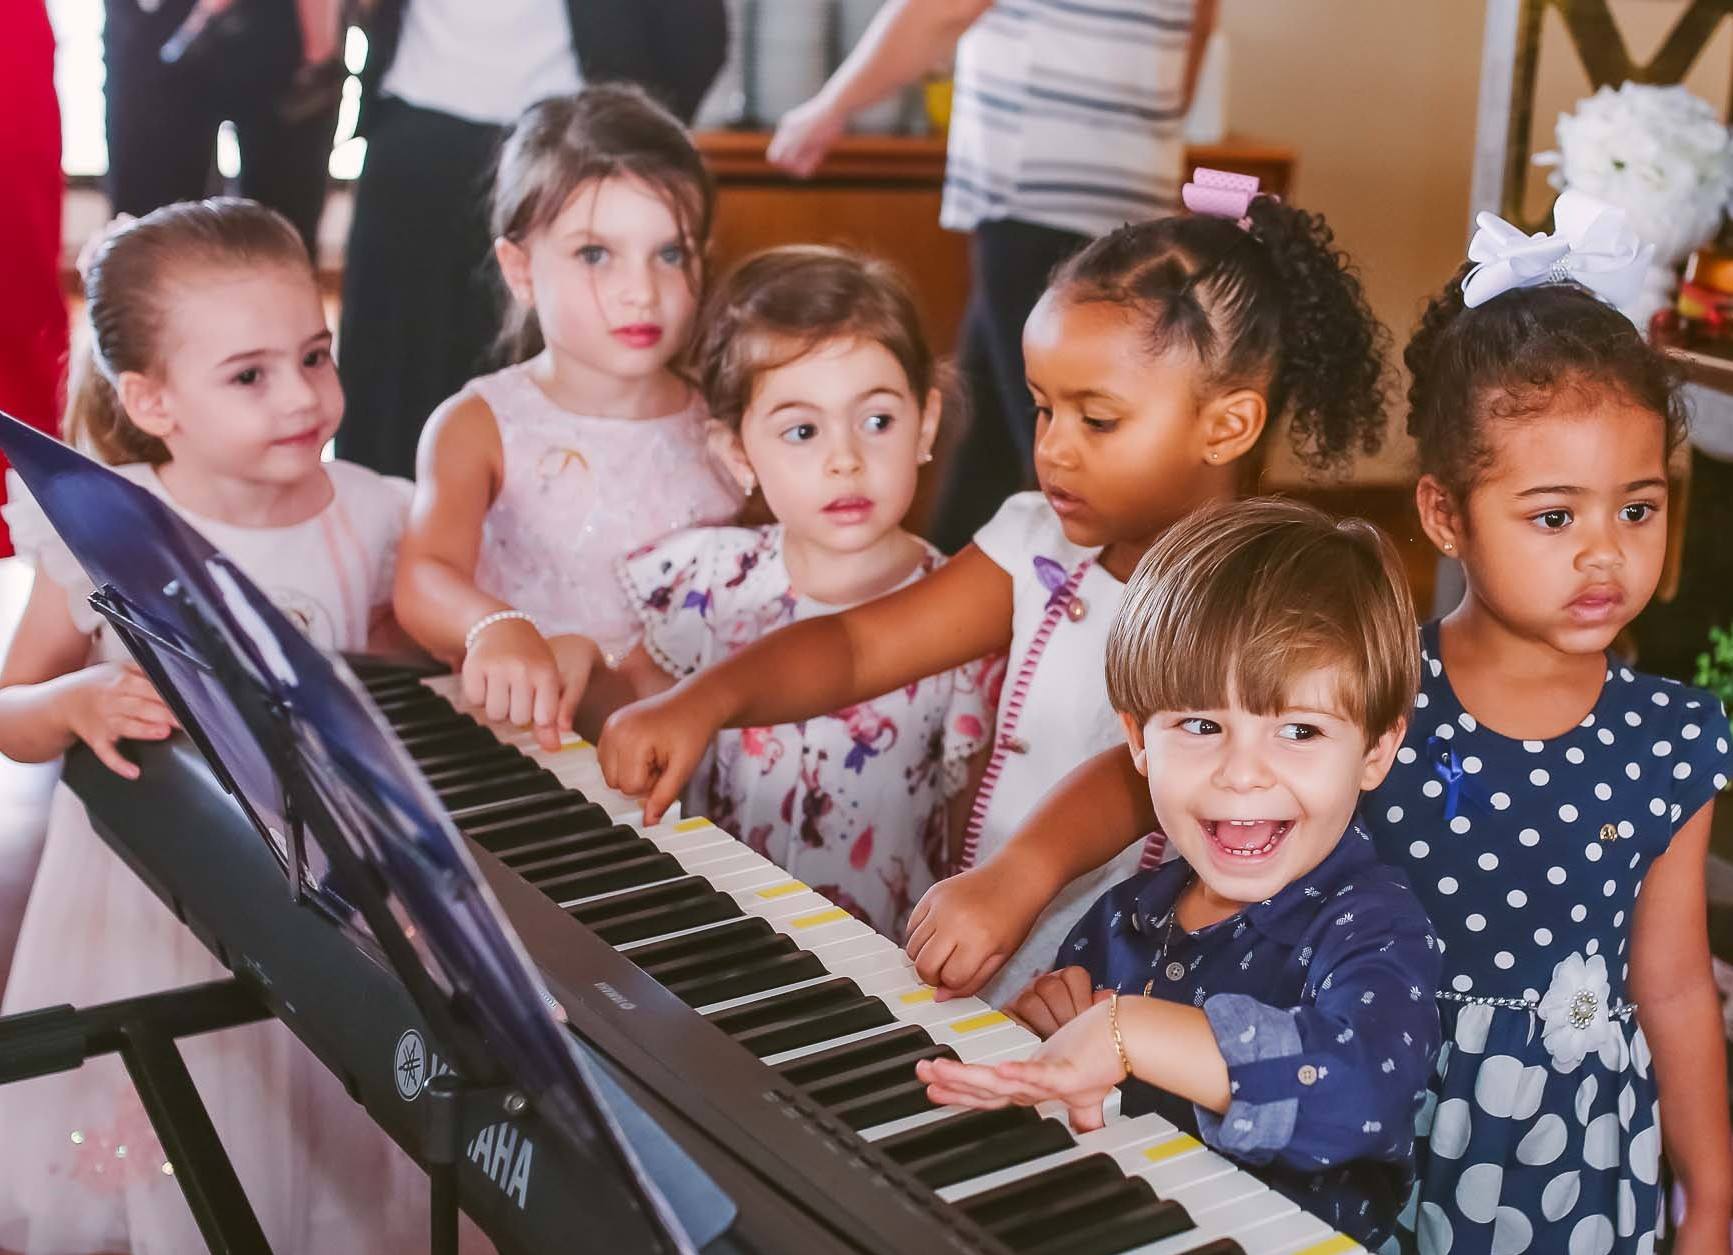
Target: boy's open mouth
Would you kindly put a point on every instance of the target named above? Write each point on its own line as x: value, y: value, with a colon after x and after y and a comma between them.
x: 1247, y: 838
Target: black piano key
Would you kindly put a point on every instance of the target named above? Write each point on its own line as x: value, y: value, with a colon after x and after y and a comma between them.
x: 1221, y: 1246
x: 435, y: 741
x: 482, y: 770
x: 751, y: 977
x: 419, y: 719
x: 974, y: 1144
x: 730, y: 953
x: 655, y: 957
x: 873, y: 1073
x: 579, y: 853
x: 822, y: 1065
x: 758, y: 945
x: 467, y: 797
x: 430, y: 764
x: 522, y: 856
x: 627, y: 872
x: 673, y: 906
x: 1123, y: 1218
x: 1053, y: 1210
x: 895, y: 1101
x: 522, y: 820
x: 802, y: 1017
x: 1007, y: 1205
x: 403, y: 703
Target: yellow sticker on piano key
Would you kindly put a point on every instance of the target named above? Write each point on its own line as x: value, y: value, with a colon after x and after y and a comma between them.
x: 783, y: 890
x: 1335, y: 1244
x: 974, y: 1023
x: 1182, y: 1144
x: 576, y: 743
x: 923, y: 994
x: 830, y: 916
x: 692, y: 825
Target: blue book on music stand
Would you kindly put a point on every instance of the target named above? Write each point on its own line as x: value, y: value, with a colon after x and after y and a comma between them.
x: 293, y: 735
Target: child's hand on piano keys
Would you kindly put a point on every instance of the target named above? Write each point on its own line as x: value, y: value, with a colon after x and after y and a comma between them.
x: 1078, y: 1066
x: 964, y: 928
x: 111, y: 702
x: 513, y: 677
x: 576, y: 658
x: 1053, y: 1000
x: 650, y: 749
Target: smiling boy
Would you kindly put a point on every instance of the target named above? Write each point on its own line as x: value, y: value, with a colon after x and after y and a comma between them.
x: 1271, y: 989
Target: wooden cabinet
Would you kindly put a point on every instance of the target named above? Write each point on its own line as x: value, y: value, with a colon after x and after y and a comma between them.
x: 881, y: 194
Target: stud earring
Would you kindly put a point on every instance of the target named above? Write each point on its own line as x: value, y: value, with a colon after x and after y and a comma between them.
x: 925, y: 458
x: 1449, y: 548
x: 751, y: 485
x: 1215, y: 455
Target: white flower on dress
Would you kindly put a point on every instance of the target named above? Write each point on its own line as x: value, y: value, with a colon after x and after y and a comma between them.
x: 1574, y: 1010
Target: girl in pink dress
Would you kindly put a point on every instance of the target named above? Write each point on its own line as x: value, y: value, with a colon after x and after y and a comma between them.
x: 212, y: 386
x: 533, y: 482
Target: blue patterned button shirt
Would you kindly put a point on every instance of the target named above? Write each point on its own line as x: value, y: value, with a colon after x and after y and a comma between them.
x: 1322, y: 1002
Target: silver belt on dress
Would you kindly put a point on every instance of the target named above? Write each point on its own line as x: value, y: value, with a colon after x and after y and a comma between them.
x: 1615, y: 1010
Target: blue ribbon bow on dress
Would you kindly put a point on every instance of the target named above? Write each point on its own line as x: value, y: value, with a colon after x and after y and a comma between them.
x: 1457, y: 786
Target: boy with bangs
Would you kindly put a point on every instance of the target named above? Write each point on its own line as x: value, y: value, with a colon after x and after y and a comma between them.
x: 1271, y: 990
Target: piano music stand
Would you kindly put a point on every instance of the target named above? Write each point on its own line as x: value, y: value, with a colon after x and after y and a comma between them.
x: 291, y: 734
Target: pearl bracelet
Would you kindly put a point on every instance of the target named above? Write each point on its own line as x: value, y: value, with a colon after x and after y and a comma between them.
x: 488, y: 620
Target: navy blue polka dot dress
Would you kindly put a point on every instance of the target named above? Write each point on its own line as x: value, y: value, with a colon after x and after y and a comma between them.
x: 1541, y: 1131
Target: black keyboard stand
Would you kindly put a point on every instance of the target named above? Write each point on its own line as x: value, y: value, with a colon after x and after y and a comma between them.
x: 143, y: 1032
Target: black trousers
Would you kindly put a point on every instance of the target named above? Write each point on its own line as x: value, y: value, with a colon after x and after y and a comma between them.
x: 421, y: 303
x: 1010, y: 262
x: 163, y: 119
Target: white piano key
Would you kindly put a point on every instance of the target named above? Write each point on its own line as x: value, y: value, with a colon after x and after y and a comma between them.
x: 679, y: 839
x: 1240, y: 1222
x: 754, y: 878
x: 820, y: 927
x: 1300, y: 1234
x: 718, y: 860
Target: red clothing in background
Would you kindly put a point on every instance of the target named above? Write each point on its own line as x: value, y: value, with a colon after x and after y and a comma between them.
x: 32, y: 308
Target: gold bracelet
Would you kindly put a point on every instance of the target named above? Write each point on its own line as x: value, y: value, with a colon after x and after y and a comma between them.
x: 1113, y: 1023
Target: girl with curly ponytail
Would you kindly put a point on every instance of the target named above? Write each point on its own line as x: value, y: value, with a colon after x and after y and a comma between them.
x: 1160, y: 358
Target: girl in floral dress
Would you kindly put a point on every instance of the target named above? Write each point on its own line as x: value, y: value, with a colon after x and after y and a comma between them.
x: 812, y: 359
x: 1550, y: 805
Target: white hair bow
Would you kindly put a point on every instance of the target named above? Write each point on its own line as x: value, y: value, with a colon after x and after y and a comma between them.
x: 1594, y: 246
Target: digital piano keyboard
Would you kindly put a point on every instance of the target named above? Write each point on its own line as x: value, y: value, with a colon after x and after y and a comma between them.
x: 769, y: 1032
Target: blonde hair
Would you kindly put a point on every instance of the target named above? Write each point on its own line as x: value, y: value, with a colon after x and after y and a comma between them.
x: 1233, y: 604
x: 612, y: 130
x: 128, y: 285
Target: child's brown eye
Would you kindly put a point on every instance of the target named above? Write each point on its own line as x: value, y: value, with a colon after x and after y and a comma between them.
x: 1636, y: 512
x: 1553, y: 520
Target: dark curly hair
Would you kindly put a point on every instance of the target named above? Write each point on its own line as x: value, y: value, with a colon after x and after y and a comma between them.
x: 1509, y: 358
x: 1275, y: 306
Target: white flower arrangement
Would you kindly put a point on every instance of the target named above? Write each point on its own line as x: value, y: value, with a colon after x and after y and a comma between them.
x: 1573, y: 1011
x: 1661, y: 154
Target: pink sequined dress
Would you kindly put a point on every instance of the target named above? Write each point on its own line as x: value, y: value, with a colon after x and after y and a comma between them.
x: 579, y: 493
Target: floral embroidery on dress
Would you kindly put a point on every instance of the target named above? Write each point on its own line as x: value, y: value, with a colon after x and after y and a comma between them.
x: 855, y: 801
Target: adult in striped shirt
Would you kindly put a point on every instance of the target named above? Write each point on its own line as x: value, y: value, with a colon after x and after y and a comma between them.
x: 1066, y: 123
